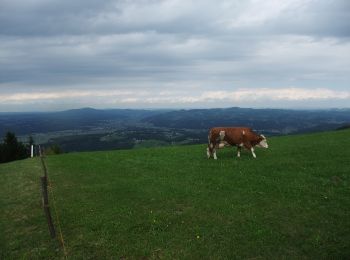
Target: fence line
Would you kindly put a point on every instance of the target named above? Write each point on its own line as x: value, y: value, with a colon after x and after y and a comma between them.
x: 44, y: 166
x: 44, y: 184
x: 58, y: 223
x: 46, y: 206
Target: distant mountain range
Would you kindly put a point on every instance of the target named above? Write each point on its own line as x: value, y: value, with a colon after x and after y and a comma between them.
x: 92, y: 129
x: 75, y: 119
x: 269, y: 121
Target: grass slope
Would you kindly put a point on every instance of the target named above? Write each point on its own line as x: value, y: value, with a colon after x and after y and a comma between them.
x: 292, y: 201
x: 23, y: 230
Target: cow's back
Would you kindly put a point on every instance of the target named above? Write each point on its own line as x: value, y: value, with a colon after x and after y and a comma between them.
x: 232, y: 135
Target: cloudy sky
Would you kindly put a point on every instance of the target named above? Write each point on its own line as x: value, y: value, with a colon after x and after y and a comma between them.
x: 62, y: 54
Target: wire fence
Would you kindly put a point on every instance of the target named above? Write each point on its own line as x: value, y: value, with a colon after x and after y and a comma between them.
x: 45, y: 184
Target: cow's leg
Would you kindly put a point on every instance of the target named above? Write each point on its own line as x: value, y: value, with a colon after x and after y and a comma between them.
x: 252, y: 150
x: 214, y: 154
x: 239, y: 148
x: 249, y: 146
x: 208, y: 152
x: 210, y: 149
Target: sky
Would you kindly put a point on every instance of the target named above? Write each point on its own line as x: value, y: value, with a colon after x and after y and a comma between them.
x: 63, y: 54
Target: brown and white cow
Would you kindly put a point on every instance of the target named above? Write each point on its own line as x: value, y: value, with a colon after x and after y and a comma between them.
x: 234, y: 136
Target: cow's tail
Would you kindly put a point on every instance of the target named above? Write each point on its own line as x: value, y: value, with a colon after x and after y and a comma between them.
x: 210, y: 145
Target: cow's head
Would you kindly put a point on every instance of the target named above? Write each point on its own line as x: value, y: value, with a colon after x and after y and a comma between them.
x: 263, y: 142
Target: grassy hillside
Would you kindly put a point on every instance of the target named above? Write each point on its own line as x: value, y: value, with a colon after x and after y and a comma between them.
x: 171, y: 202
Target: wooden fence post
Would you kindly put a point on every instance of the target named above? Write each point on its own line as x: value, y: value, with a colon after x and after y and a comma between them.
x: 44, y: 167
x: 46, y: 206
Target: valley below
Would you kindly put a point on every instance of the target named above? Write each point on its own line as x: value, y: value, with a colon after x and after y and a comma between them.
x: 90, y: 129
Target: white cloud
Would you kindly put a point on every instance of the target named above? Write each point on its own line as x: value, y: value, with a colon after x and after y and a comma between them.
x: 40, y: 96
x: 289, y: 94
x: 192, y: 52
x: 258, y: 12
x: 181, y: 97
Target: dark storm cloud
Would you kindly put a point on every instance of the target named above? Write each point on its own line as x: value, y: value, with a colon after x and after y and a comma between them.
x: 326, y: 17
x: 189, y: 47
x: 26, y: 18
x: 320, y: 18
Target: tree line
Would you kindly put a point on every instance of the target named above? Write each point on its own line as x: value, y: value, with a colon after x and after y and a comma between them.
x: 11, y: 149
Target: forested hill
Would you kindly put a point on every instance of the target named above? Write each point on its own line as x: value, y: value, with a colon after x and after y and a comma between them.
x: 91, y: 129
x: 268, y: 120
x: 75, y: 119
x: 272, y: 121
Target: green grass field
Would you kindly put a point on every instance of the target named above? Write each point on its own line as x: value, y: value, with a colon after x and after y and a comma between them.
x: 293, y: 201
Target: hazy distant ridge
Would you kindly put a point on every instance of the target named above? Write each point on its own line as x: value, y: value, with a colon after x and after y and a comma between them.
x: 90, y: 129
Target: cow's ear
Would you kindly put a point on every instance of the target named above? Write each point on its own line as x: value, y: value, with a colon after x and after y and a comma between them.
x: 263, y: 136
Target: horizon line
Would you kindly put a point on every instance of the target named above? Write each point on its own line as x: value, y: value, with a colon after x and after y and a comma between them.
x: 176, y: 109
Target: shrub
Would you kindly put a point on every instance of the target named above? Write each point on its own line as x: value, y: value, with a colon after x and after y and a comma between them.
x: 53, y: 149
x: 11, y: 149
